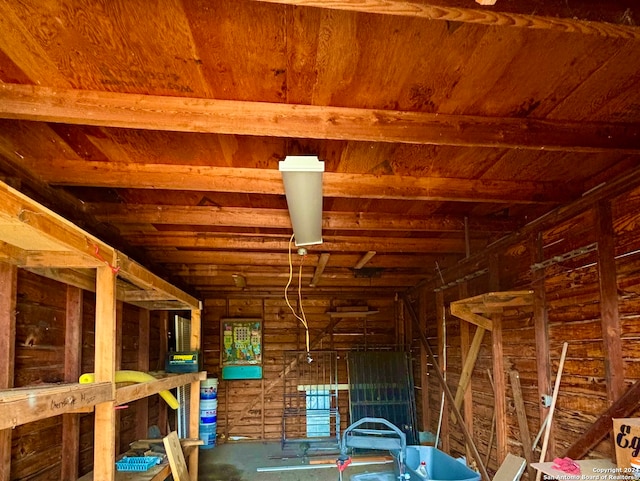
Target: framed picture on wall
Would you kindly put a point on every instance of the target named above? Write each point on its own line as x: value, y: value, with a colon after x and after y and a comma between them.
x: 241, y: 350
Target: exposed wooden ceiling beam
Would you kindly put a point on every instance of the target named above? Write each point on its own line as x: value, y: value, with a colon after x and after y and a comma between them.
x: 329, y: 244
x: 201, y: 272
x: 577, y: 19
x: 149, y: 112
x: 140, y: 175
x: 279, y: 218
x: 327, y: 281
x: 232, y: 258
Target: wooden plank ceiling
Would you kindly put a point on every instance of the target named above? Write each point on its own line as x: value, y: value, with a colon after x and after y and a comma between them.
x: 160, y: 125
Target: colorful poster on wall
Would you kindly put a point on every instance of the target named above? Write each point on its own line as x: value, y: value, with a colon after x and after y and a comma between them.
x: 241, y: 348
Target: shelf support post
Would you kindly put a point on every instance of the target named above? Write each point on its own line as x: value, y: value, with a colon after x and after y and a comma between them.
x: 104, y: 455
x: 194, y: 408
x: 8, y: 296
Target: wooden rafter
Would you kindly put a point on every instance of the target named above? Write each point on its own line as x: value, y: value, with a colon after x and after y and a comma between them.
x: 279, y: 218
x: 364, y: 259
x: 329, y: 243
x: 227, y: 257
x: 586, y: 20
x: 149, y: 175
x: 137, y: 111
x: 322, y: 263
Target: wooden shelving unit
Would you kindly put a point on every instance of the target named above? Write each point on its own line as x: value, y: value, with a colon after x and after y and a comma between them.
x: 35, y: 238
x: 167, y: 381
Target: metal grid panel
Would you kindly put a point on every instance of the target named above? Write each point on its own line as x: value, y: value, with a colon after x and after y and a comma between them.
x: 310, y: 414
x: 183, y: 339
x: 381, y: 386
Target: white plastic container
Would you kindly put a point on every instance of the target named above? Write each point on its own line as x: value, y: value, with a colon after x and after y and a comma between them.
x: 209, y: 388
x: 208, y: 411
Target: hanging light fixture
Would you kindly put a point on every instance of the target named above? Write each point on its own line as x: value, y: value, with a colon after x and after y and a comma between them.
x: 302, y: 177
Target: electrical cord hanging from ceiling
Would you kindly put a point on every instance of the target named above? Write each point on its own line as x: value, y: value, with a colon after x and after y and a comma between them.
x: 302, y: 319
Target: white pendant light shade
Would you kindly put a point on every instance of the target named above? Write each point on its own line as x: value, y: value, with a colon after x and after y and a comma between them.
x: 302, y: 177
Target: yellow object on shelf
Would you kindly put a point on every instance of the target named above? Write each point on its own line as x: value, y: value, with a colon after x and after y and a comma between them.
x: 134, y: 376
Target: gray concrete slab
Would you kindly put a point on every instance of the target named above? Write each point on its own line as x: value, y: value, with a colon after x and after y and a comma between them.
x: 239, y: 462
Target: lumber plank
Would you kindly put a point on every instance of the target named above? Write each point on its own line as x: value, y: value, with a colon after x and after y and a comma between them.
x: 611, y: 330
x: 247, y: 217
x: 136, y: 391
x: 8, y: 296
x: 464, y: 312
x: 517, y: 14
x: 322, y: 263
x: 135, y: 111
x: 467, y: 370
x: 194, y: 407
x: 541, y: 323
x: 104, y: 453
x: 21, y: 406
x: 176, y: 457
x: 498, y: 365
x: 525, y: 436
x: 144, y: 341
x: 623, y: 407
x: 330, y: 244
x: 72, y: 368
x: 150, y: 175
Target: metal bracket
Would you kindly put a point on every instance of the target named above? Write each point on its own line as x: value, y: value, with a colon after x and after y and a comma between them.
x: 468, y: 277
x: 564, y: 257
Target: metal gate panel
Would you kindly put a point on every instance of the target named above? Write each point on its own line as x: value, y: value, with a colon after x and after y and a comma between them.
x: 381, y: 386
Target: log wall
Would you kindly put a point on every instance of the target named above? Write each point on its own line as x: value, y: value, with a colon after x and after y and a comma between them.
x: 253, y: 409
x: 590, y: 300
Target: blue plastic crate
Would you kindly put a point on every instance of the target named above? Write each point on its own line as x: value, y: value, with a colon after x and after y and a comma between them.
x: 136, y: 463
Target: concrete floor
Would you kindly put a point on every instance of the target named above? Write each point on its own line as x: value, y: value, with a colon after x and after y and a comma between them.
x: 239, y: 461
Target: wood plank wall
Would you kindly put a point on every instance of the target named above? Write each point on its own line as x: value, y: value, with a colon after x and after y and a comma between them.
x: 598, y: 368
x: 252, y: 409
x: 36, y: 448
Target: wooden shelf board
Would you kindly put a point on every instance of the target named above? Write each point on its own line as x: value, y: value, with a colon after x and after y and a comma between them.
x: 351, y: 313
x: 156, y: 473
x: 492, y: 301
x: 24, y: 405
x: 164, y: 382
x: 36, y: 237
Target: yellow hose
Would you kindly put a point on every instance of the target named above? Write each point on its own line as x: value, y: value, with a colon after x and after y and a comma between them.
x: 134, y: 376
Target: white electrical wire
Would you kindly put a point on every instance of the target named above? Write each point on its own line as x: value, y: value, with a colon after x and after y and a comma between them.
x: 302, y: 319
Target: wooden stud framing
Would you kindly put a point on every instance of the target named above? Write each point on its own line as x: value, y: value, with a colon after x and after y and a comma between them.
x: 163, y: 414
x: 541, y: 323
x: 498, y: 367
x: 118, y: 354
x: 611, y: 331
x: 104, y: 454
x: 9, y: 281
x: 142, y: 406
x: 194, y: 408
x: 72, y: 360
x: 52, y: 239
